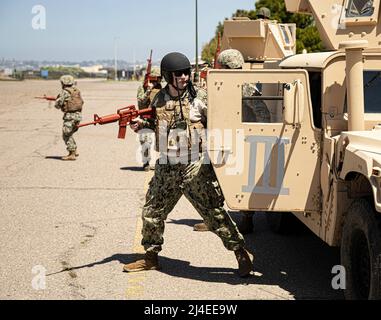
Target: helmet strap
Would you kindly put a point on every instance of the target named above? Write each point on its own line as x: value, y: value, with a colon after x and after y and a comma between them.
x: 191, y: 89
x: 176, y: 85
x: 179, y: 97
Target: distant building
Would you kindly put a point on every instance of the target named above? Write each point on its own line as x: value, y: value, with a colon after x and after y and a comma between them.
x: 96, y: 70
x: 200, y: 63
x: 8, y: 71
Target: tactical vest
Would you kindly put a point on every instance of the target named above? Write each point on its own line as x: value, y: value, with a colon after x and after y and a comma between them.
x: 172, y: 132
x: 75, y: 102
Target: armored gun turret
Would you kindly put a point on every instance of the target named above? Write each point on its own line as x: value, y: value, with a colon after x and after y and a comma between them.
x: 259, y: 40
x: 319, y: 158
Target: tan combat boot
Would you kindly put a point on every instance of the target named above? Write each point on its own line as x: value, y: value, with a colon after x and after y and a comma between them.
x: 245, y: 262
x: 150, y: 262
x: 69, y: 157
x: 200, y: 227
x: 76, y: 153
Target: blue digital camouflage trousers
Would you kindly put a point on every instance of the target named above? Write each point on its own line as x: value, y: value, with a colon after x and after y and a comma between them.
x: 198, y: 182
x: 70, y: 122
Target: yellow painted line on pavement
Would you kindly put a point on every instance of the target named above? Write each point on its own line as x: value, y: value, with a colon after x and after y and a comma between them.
x: 136, y: 280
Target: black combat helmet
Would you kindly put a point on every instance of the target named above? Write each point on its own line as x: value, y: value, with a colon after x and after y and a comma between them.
x: 174, y: 61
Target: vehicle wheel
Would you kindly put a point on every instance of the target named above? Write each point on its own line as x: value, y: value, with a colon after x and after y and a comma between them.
x: 282, y: 222
x: 361, y: 252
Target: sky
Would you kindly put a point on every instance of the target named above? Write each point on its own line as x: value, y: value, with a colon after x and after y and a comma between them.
x: 90, y: 30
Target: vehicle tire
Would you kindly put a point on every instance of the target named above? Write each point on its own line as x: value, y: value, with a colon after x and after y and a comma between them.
x: 245, y: 224
x: 361, y: 252
x: 282, y: 222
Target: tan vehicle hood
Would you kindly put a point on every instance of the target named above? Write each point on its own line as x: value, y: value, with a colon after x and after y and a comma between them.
x: 368, y: 141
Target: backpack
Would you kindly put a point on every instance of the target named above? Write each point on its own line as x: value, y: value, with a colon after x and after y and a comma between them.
x: 75, y: 102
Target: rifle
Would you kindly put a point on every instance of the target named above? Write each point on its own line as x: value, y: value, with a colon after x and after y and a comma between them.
x: 124, y: 116
x: 148, y: 72
x: 48, y: 98
x: 203, y: 74
x: 217, y: 53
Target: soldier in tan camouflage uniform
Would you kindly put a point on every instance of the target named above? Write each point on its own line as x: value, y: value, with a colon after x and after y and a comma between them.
x: 144, y: 97
x: 202, y: 95
x: 70, y: 102
x: 252, y: 111
x: 154, y: 86
x: 264, y: 13
x: 182, y: 171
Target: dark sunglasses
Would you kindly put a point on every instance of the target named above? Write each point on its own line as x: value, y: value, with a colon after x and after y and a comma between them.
x: 179, y: 73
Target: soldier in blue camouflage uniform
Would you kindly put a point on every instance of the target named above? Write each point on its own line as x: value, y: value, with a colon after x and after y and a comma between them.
x: 144, y: 97
x: 180, y: 173
x: 70, y: 102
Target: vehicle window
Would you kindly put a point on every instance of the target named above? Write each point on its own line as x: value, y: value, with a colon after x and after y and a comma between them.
x: 372, y: 89
x: 286, y: 38
x: 359, y: 8
x: 262, y: 102
x: 292, y: 30
x: 315, y: 87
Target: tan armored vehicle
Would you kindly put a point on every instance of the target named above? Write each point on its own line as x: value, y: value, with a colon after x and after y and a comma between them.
x: 320, y: 156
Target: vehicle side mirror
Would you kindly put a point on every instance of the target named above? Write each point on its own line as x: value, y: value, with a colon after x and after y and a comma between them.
x: 293, y: 112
